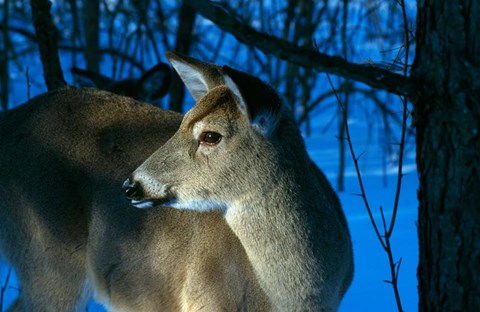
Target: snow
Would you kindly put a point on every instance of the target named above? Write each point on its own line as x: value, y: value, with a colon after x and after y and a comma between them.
x: 369, y: 291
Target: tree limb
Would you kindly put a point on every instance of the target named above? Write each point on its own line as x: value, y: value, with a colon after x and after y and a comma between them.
x: 103, y: 51
x: 373, y: 76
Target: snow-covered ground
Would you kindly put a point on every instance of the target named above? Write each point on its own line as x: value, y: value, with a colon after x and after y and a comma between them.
x: 368, y: 291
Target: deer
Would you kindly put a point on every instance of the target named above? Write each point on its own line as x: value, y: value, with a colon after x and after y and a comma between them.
x: 239, y: 151
x: 150, y: 87
x: 70, y: 233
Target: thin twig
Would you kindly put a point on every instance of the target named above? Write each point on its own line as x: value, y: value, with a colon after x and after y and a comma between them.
x: 3, y: 289
x: 385, y: 238
x: 357, y: 167
x: 29, y: 85
x: 404, y: 124
x: 394, y: 269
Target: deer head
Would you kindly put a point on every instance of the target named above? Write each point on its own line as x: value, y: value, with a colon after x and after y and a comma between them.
x: 226, y: 141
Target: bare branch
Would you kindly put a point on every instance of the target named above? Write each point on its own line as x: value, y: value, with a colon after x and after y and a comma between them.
x: 404, y: 124
x: 385, y: 238
x: 373, y: 76
x: 3, y: 288
x: 363, y: 193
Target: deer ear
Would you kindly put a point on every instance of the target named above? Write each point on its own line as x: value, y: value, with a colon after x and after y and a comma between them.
x: 87, y: 78
x: 262, y: 107
x: 198, y: 77
x: 155, y: 83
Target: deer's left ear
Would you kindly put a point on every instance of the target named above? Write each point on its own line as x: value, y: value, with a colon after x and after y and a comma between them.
x: 198, y: 77
x: 88, y: 78
x: 155, y: 83
x: 256, y: 99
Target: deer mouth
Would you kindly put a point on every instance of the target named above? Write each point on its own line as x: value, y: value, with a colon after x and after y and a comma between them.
x: 134, y: 191
x: 154, y: 203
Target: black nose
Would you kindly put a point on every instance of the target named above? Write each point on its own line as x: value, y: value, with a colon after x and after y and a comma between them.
x: 133, y: 190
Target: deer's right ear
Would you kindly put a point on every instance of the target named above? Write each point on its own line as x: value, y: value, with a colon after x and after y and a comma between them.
x: 198, y: 77
x: 87, y: 78
x: 263, y: 108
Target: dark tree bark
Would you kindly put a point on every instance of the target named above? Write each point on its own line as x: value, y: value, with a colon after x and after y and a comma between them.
x: 186, y: 21
x: 447, y: 117
x: 91, y: 13
x: 76, y: 30
x: 47, y: 41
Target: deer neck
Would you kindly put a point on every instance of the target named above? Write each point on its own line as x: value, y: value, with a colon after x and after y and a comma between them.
x: 279, y: 239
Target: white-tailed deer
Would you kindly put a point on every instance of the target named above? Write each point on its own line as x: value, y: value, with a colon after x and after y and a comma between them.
x: 239, y: 151
x: 150, y: 87
x: 68, y: 230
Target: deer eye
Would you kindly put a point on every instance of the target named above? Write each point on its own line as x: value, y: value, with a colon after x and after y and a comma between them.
x: 210, y: 138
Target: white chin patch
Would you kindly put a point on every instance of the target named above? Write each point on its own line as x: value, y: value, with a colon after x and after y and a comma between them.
x: 197, y: 205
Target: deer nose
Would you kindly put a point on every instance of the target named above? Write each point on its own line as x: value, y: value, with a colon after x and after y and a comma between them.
x: 132, y: 189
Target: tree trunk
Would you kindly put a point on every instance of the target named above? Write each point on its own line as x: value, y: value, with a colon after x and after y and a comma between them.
x: 186, y: 21
x: 91, y: 13
x: 47, y: 41
x: 447, y: 117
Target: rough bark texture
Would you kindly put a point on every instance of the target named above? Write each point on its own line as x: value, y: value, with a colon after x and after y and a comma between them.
x: 447, y: 116
x: 47, y: 41
x: 186, y: 21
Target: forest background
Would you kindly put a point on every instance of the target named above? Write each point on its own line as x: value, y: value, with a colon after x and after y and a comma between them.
x: 347, y: 69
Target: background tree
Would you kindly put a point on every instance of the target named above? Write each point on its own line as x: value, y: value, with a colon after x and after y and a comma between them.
x: 447, y: 119
x: 46, y: 34
x: 91, y: 24
x: 183, y: 42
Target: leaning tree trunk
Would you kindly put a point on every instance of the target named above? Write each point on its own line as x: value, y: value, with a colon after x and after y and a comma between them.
x: 91, y: 15
x: 186, y: 22
x: 47, y: 36
x: 447, y: 116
